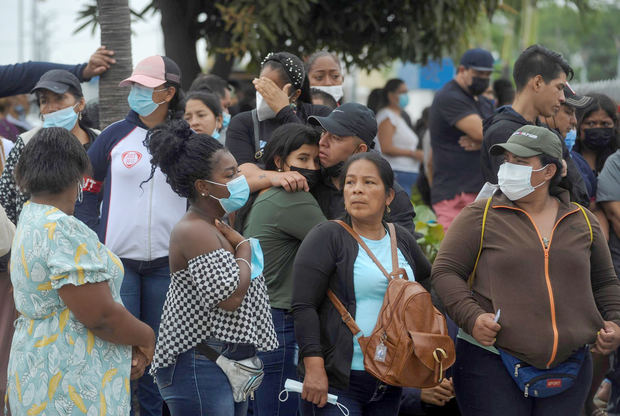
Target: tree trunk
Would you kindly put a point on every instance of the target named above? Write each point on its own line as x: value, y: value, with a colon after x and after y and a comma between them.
x: 177, y: 23
x: 115, y: 22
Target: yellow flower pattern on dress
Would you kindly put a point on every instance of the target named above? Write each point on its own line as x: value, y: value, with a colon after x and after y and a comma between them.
x: 81, y: 374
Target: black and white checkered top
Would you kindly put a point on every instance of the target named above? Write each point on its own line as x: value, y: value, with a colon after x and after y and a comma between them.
x: 191, y: 314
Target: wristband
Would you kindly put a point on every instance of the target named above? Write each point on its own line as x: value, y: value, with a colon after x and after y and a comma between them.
x: 247, y: 240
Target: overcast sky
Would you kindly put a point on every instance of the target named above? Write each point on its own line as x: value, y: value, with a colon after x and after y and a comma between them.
x: 63, y: 46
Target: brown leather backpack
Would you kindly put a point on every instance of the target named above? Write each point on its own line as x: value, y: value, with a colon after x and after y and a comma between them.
x: 410, y: 345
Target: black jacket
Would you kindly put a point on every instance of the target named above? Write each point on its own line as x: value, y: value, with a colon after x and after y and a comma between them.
x: 499, y: 127
x: 240, y: 133
x: 325, y: 260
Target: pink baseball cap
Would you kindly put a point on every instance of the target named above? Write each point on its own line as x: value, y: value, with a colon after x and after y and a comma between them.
x: 154, y: 71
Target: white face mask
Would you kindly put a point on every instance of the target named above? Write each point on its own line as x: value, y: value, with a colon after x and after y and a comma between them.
x: 515, y: 181
x: 263, y: 111
x: 333, y: 90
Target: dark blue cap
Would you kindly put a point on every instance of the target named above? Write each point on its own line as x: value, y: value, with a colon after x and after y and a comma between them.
x: 350, y: 119
x: 478, y: 59
x: 59, y: 81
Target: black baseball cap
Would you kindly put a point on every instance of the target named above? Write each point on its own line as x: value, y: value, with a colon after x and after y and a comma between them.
x: 574, y: 100
x: 58, y: 81
x: 350, y: 119
x: 478, y: 59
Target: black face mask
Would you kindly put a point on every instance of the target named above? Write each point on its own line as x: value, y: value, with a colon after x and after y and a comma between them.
x: 313, y: 176
x: 478, y: 85
x: 335, y: 171
x: 598, y: 138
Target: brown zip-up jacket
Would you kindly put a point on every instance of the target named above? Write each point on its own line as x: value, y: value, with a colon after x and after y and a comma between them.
x: 551, y: 298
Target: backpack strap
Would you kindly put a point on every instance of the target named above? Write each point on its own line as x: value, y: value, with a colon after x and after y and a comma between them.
x: 583, y: 211
x: 344, y: 313
x: 470, y: 281
x: 258, y: 151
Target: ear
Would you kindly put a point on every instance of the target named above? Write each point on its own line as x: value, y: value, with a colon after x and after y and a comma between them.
x: 362, y: 148
x: 277, y: 160
x: 537, y: 83
x: 218, y: 122
x: 170, y: 94
x: 550, y: 171
x: 81, y: 105
x: 295, y: 96
x: 390, y: 197
x: 201, y: 187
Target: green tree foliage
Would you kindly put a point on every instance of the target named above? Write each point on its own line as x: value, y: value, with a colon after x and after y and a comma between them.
x: 367, y: 33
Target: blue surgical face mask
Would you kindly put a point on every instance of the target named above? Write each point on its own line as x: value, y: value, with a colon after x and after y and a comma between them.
x: 570, y: 139
x: 225, y: 120
x: 239, y: 193
x: 257, y: 262
x: 216, y: 134
x: 65, y: 118
x: 140, y: 100
x: 403, y: 100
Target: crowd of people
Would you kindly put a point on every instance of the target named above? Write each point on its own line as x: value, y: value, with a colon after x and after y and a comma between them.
x: 185, y: 260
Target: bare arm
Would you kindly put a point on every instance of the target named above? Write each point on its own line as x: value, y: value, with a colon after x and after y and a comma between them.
x: 471, y: 125
x: 386, y: 134
x: 612, y: 211
x: 92, y: 304
x: 259, y: 179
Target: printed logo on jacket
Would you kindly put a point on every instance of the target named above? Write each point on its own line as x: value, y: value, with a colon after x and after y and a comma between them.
x: 131, y: 158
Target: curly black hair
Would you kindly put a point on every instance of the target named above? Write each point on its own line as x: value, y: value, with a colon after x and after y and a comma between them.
x: 52, y: 161
x: 182, y: 155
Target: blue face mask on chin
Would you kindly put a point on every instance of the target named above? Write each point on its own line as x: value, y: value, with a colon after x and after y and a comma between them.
x: 65, y: 118
x: 225, y: 120
x: 403, y: 100
x: 216, y: 134
x: 140, y: 100
x: 239, y: 193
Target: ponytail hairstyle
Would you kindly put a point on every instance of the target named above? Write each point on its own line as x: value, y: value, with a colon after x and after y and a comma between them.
x: 291, y: 70
x: 182, y: 155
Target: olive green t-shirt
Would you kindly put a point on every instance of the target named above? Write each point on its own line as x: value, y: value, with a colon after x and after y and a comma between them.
x: 280, y: 220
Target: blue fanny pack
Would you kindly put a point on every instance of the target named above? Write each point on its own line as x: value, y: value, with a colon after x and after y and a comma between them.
x: 544, y: 383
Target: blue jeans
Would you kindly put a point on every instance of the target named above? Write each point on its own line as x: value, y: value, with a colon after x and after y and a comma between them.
x: 143, y: 293
x: 366, y: 396
x: 195, y: 385
x: 279, y: 365
x: 406, y: 179
x: 484, y: 387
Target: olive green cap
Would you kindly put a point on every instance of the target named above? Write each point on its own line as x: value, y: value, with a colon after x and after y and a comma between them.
x: 531, y: 141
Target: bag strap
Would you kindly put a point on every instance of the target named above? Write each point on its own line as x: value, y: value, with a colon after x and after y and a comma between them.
x: 583, y: 211
x: 208, y: 352
x: 470, y: 281
x: 367, y: 250
x: 344, y: 313
x: 258, y: 151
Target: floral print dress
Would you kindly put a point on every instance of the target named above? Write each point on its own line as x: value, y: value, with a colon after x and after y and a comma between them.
x: 57, y: 365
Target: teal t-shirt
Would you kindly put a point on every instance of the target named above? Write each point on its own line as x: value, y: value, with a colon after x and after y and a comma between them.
x: 370, y: 285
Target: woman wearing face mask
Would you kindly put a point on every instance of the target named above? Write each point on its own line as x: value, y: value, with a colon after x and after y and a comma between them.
x: 217, y: 298
x: 330, y: 258
x: 543, y: 286
x: 136, y: 217
x: 61, y: 103
x: 282, y: 97
x: 399, y: 143
x: 325, y: 74
x: 281, y: 220
x: 597, y: 132
x: 203, y: 112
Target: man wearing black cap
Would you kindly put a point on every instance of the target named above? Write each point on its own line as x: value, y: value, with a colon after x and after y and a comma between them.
x: 540, y: 76
x: 455, y: 123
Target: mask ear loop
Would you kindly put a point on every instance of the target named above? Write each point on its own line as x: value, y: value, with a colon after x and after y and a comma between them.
x: 342, y: 408
x: 285, y: 397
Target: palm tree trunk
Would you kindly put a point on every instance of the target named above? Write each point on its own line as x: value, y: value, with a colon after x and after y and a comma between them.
x: 115, y: 22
